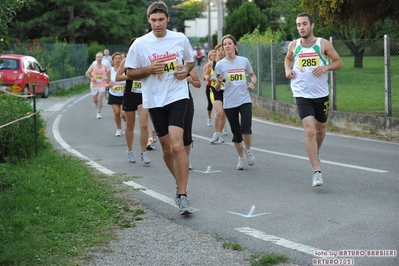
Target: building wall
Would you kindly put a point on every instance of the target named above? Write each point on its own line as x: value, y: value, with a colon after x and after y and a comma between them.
x: 199, y: 27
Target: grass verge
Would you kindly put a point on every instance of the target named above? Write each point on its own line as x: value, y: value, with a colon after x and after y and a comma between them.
x: 278, y: 118
x: 54, y: 207
x: 77, y: 89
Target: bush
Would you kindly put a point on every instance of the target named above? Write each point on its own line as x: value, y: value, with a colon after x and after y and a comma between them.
x: 61, y: 60
x: 94, y: 48
x: 17, y: 141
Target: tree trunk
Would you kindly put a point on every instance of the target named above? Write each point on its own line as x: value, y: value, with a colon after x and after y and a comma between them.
x: 357, y: 48
x: 72, y: 33
x: 358, y: 59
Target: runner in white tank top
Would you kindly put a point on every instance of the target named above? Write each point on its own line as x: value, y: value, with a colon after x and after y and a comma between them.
x: 116, y: 89
x: 306, y: 65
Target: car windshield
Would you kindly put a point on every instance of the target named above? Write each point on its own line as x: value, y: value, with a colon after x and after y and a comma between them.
x: 6, y: 63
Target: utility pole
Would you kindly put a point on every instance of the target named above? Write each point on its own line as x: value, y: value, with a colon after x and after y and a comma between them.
x: 209, y: 25
x: 220, y: 20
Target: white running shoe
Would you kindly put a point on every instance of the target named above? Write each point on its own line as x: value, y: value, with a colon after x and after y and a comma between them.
x: 209, y: 122
x: 118, y: 132
x: 150, y: 144
x: 317, y: 179
x: 241, y: 163
x: 250, y: 157
x: 215, y: 138
x: 154, y: 136
x: 144, y: 158
x: 99, y: 116
x: 130, y: 157
x: 184, y: 206
x: 220, y: 139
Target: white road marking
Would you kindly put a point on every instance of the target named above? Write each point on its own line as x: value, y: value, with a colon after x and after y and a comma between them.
x: 153, y: 194
x: 246, y: 230
x: 306, y: 158
x: 278, y: 240
x: 106, y: 171
x: 250, y: 213
x: 208, y: 170
x: 66, y: 146
x: 328, y: 133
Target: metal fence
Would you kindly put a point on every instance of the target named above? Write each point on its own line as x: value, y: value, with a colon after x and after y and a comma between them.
x: 368, y: 83
x: 61, y: 60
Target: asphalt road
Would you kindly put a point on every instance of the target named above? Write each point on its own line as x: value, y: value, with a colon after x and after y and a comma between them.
x: 270, y: 206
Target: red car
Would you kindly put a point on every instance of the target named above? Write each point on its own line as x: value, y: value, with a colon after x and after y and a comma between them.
x: 24, y: 71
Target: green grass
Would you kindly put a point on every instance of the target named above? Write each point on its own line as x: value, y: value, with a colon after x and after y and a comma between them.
x: 72, y: 91
x: 267, y: 259
x: 232, y: 245
x: 53, y: 208
x: 358, y: 90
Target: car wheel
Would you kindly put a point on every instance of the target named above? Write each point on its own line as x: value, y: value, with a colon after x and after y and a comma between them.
x: 46, y: 92
x: 26, y: 90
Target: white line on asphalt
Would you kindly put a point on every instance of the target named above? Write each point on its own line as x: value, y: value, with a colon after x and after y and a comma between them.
x: 66, y: 146
x: 278, y: 240
x: 154, y: 194
x: 306, y: 158
x: 328, y: 133
x: 106, y: 171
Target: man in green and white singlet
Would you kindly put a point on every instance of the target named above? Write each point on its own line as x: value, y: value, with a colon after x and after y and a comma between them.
x: 307, y: 66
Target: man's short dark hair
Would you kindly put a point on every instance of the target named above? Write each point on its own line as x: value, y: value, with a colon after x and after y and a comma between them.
x: 156, y: 7
x: 309, y: 16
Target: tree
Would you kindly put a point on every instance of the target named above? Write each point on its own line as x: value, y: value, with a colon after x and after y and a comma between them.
x: 244, y: 20
x: 8, y: 10
x: 265, y: 6
x: 180, y: 10
x: 190, y: 10
x: 354, y: 20
x: 287, y: 12
x: 112, y: 21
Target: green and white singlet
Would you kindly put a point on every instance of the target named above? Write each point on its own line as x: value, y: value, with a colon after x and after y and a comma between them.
x: 305, y: 84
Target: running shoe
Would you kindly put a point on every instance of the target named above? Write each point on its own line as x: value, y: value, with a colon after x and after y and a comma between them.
x: 250, y: 157
x: 220, y: 138
x: 209, y: 122
x: 154, y: 136
x: 144, y: 158
x: 99, y: 116
x: 184, y: 206
x: 215, y: 138
x: 130, y: 157
x: 190, y: 166
x: 118, y: 132
x: 177, y: 197
x: 150, y: 144
x: 241, y: 163
x: 317, y: 179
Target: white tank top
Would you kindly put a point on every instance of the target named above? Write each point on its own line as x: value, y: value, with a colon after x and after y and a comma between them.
x: 118, y: 86
x: 305, y: 84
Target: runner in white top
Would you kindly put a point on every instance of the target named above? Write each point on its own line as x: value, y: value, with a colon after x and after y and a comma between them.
x: 306, y: 65
x: 232, y: 70
x: 116, y: 89
x: 156, y: 59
